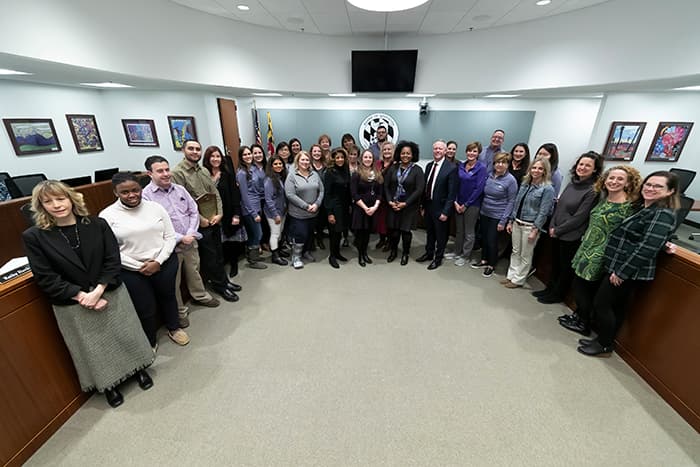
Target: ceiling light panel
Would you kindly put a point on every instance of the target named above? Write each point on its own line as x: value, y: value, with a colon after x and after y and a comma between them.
x: 385, y: 6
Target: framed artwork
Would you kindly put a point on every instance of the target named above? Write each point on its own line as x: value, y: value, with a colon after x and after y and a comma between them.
x: 668, y: 142
x: 86, y: 136
x: 140, y: 133
x: 32, y: 135
x: 623, y: 140
x: 181, y: 129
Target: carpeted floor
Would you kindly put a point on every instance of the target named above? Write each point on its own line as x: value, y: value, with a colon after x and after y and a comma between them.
x: 378, y: 366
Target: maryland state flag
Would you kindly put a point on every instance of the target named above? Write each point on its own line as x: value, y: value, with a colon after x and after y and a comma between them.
x: 256, y: 125
x: 270, y: 137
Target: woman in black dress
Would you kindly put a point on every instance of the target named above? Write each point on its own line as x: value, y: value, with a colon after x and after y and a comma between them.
x: 337, y: 202
x: 366, y: 190
x: 75, y: 261
x: 403, y: 189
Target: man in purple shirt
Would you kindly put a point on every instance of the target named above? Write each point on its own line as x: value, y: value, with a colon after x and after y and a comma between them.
x: 184, y: 214
x: 492, y: 149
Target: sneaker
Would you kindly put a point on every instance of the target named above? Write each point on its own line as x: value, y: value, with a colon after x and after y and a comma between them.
x: 179, y: 336
x: 183, y: 320
x: 449, y: 255
x: 488, y: 271
x: 460, y: 261
x: 478, y: 264
x: 211, y: 303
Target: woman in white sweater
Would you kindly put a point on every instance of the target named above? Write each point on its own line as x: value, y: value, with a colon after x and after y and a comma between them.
x: 146, y: 242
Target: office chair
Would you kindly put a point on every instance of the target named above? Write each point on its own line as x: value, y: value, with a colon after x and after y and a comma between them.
x: 11, y: 186
x: 26, y: 183
x: 77, y: 181
x: 26, y: 210
x: 105, y: 174
x: 685, y: 178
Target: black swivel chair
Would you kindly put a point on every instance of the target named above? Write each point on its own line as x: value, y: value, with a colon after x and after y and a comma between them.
x: 105, y: 174
x: 26, y: 183
x: 77, y: 181
x: 11, y: 186
x: 685, y: 178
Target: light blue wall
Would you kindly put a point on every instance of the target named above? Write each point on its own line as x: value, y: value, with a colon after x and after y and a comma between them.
x: 462, y: 126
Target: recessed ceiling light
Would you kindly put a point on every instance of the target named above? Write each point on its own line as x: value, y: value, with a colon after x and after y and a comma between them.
x: 687, y: 88
x: 106, y: 84
x: 5, y: 71
x: 267, y: 94
x: 341, y: 94
x: 417, y: 94
x: 503, y: 95
x: 386, y: 5
x: 243, y: 7
x: 543, y: 2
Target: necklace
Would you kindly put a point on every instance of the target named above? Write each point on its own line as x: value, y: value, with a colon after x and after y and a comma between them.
x: 77, y: 237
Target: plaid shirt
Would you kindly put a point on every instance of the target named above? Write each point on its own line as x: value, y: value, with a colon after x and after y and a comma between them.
x: 632, y: 248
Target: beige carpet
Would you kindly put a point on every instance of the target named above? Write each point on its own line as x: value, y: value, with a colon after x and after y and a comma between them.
x: 383, y: 365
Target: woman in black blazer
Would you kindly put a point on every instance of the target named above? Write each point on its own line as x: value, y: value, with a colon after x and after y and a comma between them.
x: 75, y: 262
x: 336, y: 184
x: 403, y: 189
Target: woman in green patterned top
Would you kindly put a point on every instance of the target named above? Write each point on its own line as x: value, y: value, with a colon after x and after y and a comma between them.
x: 619, y: 186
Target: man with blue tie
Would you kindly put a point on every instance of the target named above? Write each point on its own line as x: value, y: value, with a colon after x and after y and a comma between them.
x: 438, y: 204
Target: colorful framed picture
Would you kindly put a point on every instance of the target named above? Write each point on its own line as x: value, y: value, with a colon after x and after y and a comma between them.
x: 86, y: 136
x: 32, y: 135
x: 668, y: 142
x: 181, y: 129
x: 623, y: 140
x: 140, y: 133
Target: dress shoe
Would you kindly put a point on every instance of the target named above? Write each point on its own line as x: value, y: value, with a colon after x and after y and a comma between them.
x: 576, y: 326
x: 211, y: 303
x: 367, y: 259
x: 540, y: 293
x: 504, y: 281
x: 144, y: 380
x: 436, y: 263
x: 549, y: 299
x: 284, y: 253
x: 404, y: 260
x: 595, y: 349
x: 341, y: 258
x: 333, y: 262
x: 361, y: 261
x: 511, y: 285
x: 391, y: 257
x: 233, y: 287
x: 227, y: 294
x: 114, y: 397
x: 583, y: 341
x: 424, y: 257
x: 567, y: 317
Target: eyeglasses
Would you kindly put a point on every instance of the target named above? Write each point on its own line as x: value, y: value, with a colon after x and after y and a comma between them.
x: 654, y: 187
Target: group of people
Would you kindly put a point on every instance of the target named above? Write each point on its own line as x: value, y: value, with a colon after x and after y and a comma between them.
x: 111, y: 279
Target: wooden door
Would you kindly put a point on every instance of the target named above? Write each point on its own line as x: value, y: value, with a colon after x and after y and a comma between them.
x: 228, y: 117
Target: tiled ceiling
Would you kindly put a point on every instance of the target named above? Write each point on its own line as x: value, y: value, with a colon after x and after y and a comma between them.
x: 337, y: 17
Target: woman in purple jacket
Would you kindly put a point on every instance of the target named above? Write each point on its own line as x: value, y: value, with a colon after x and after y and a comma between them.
x: 252, y: 184
x: 472, y: 178
x: 275, y: 205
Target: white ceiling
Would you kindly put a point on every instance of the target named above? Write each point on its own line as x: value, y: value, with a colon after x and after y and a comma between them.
x: 337, y: 17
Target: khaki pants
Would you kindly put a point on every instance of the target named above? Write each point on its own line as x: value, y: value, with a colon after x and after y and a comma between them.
x: 521, y: 257
x: 189, y: 261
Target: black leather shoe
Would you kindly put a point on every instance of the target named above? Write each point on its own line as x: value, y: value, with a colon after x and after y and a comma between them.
x: 341, y: 258
x: 361, y: 261
x: 576, y: 326
x: 404, y: 260
x: 585, y: 341
x: 595, y: 349
x: 567, y: 317
x: 114, y: 397
x: 424, y: 257
x: 333, y: 262
x: 233, y: 287
x: 367, y: 259
x: 549, y: 299
x: 391, y: 257
x: 540, y: 293
x: 435, y: 264
x: 227, y: 294
x: 144, y: 380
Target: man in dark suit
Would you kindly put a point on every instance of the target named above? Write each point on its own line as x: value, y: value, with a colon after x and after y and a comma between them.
x: 437, y: 205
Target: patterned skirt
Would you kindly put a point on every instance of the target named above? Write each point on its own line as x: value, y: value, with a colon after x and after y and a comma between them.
x: 108, y: 346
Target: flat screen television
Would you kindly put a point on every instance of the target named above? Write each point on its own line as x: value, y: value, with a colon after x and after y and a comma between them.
x: 383, y: 70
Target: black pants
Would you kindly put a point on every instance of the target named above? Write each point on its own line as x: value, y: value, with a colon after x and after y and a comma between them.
x: 335, y: 237
x: 436, y: 233
x: 395, y: 235
x: 362, y: 236
x: 151, y: 294
x: 610, y: 305
x: 489, y: 239
x: 211, y: 256
x: 584, y: 295
x: 562, y: 273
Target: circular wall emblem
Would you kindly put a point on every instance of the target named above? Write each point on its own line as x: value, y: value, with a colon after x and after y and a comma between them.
x: 368, y: 129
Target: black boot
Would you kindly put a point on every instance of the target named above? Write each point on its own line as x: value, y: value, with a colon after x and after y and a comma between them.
x: 114, y: 397
x: 392, y: 256
x: 277, y: 258
x: 404, y: 258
